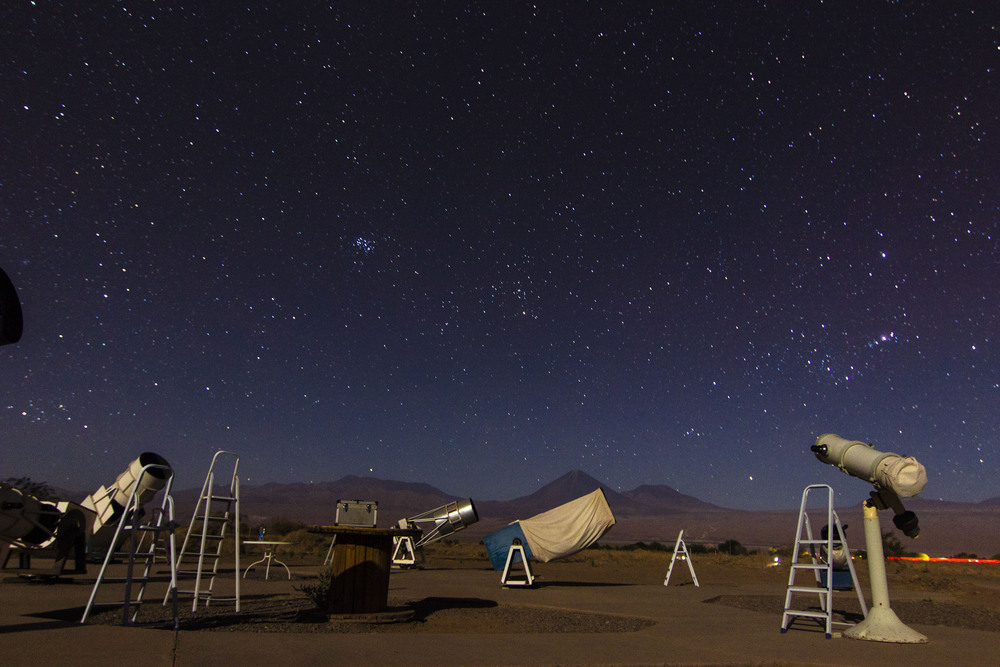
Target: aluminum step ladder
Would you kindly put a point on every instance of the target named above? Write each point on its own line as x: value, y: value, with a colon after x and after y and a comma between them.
x: 820, y: 565
x: 143, y: 538
x: 216, y: 515
x: 681, y: 551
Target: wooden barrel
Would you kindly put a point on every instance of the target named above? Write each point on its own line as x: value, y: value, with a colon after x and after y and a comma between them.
x: 362, y: 559
x: 360, y: 574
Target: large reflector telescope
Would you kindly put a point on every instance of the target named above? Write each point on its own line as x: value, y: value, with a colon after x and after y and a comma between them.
x: 447, y: 519
x: 145, y: 476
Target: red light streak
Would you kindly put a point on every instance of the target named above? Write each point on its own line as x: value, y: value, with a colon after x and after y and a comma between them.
x: 945, y: 560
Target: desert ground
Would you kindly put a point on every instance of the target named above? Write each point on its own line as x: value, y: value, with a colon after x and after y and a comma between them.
x: 601, y: 606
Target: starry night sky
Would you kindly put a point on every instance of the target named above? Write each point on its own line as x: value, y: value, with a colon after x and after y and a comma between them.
x: 479, y: 245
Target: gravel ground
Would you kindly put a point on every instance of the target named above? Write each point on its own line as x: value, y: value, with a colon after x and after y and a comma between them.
x: 474, y: 615
x: 436, y: 615
x: 962, y: 596
x: 915, y: 612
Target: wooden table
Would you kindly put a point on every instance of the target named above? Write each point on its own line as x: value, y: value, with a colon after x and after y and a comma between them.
x: 361, y: 565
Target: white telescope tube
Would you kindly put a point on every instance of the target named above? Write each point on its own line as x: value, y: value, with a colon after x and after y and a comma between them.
x: 153, y: 481
x: 904, y: 476
x: 145, y: 476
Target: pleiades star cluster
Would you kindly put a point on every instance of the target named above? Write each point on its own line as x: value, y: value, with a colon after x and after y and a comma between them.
x: 479, y: 245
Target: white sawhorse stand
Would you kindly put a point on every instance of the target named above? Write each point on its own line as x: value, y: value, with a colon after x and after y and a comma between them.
x: 508, y: 578
x: 404, y: 554
x: 681, y: 548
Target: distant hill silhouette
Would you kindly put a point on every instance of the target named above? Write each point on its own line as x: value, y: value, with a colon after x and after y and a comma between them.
x: 647, y: 513
x: 643, y: 500
x: 569, y: 487
x: 317, y: 503
x: 659, y: 499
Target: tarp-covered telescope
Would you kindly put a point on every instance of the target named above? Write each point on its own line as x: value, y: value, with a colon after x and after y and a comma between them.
x: 144, y: 476
x: 557, y: 533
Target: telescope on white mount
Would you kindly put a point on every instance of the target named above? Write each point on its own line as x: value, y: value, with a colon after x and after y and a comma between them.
x: 447, y: 519
x: 894, y: 477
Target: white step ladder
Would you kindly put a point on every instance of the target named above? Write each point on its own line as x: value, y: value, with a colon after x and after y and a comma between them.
x: 680, y: 549
x: 820, y: 566
x: 215, y: 514
x: 141, y: 551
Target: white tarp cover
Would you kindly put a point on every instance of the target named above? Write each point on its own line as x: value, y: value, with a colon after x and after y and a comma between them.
x: 569, y: 528
x: 903, y: 474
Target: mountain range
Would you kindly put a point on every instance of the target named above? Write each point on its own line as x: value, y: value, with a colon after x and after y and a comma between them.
x: 649, y: 513
x: 315, y: 503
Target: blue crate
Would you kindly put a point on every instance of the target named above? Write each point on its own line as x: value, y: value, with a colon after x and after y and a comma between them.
x: 841, y: 580
x: 498, y: 544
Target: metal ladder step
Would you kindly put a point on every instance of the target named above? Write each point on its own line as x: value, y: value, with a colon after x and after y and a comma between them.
x: 117, y: 603
x: 124, y: 556
x: 122, y: 580
x: 199, y: 536
x: 807, y: 614
x: 191, y: 591
x: 807, y: 589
